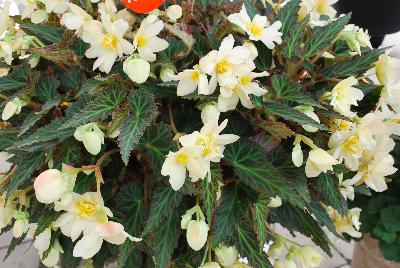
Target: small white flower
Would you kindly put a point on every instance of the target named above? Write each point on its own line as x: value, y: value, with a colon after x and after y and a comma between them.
x: 387, y: 69
x: 137, y: 69
x: 349, y: 224
x: 356, y: 38
x: 319, y: 161
x: 244, y: 260
x: 346, y: 188
x: 167, y: 74
x: 56, y: 6
x: 54, y: 255
x: 252, y: 48
x: 297, y: 155
x: 190, y: 80
x: 174, y: 12
x: 346, y: 145
x: 21, y: 224
x: 31, y: 10
x: 258, y: 29
x: 75, y: 19
x: 210, y: 113
x: 188, y: 158
x: 390, y: 96
x: 344, y: 95
x: 6, y: 52
x: 5, y: 20
x: 309, y: 256
x: 275, y: 202
x: 42, y: 240
x: 226, y: 256
x: 147, y: 42
x: 309, y: 111
x: 12, y: 108
x: 91, y: 136
x: 107, y: 43
x: 318, y: 8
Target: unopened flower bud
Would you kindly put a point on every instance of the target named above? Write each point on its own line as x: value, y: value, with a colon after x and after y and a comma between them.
x: 91, y: 136
x: 297, y: 155
x: 50, y: 186
x: 210, y: 113
x: 12, y: 107
x: 167, y: 74
x: 137, y: 69
x: 275, y: 202
x: 21, y: 224
x: 196, y: 234
x: 174, y: 12
x: 310, y: 257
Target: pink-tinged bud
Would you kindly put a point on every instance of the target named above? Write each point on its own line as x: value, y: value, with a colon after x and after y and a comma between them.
x: 196, y: 234
x: 50, y: 186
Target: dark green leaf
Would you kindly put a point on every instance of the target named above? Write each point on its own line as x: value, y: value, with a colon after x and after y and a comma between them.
x: 261, y: 210
x: 323, y: 36
x: 391, y: 251
x: 44, y: 32
x: 210, y: 189
x: 386, y: 236
x: 328, y: 187
x: 390, y: 218
x: 49, y: 216
x: 322, y: 216
x: 14, y: 243
x: 16, y: 79
x: 288, y: 16
x: 72, y: 79
x: 142, y: 111
x: 250, y: 8
x: 7, y: 139
x: 294, y: 40
x: 46, y: 89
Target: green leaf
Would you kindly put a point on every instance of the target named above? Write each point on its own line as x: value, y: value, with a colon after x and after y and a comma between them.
x: 261, y: 210
x: 288, y: 113
x: 163, y: 201
x: 157, y: 142
x: 247, y: 246
x: 291, y: 91
x: 264, y: 59
x: 294, y: 39
x: 16, y: 79
x: 330, y: 195
x: 251, y: 10
x: 288, y: 16
x: 46, y: 89
x: 27, y: 164
x: 49, y: 216
x: 323, y: 36
x: 30, y: 120
x: 252, y: 167
x: 235, y: 198
x: 7, y: 139
x: 107, y: 101
x: 391, y: 251
x: 14, y: 243
x: 142, y: 111
x: 296, y: 219
x: 166, y: 238
x: 73, y: 78
x: 47, y: 133
x: 322, y: 216
x: 67, y: 259
x: 89, y: 85
x: 381, y: 233
x: 390, y: 218
x: 356, y: 65
x: 44, y: 32
x: 210, y: 189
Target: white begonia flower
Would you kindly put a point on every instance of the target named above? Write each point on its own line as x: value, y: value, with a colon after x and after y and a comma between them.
x: 309, y: 256
x: 297, y: 155
x: 229, y: 97
x: 319, y: 161
x: 91, y: 136
x: 391, y: 120
x: 54, y: 255
x: 56, y: 6
x: 51, y: 185
x: 21, y: 224
x: 137, y: 69
x: 349, y: 224
x: 226, y: 256
x: 7, y: 209
x: 187, y: 158
x: 309, y: 111
x: 5, y: 20
x: 222, y: 65
x: 75, y: 19
x: 344, y: 95
x: 196, y: 234
x: 147, y: 42
x: 210, y: 265
x: 31, y: 10
x: 174, y: 12
x: 190, y: 80
x: 376, y: 164
x: 356, y: 38
x: 290, y: 263
x: 275, y: 249
x: 6, y: 52
x: 316, y: 9
x: 346, y: 188
x: 275, y: 202
x: 42, y: 240
x: 12, y: 108
x: 258, y: 29
x: 94, y: 235
x: 107, y: 42
x: 390, y: 96
x: 167, y: 74
x: 279, y: 264
x: 210, y: 113
x: 252, y: 48
x: 109, y: 11
x: 387, y: 69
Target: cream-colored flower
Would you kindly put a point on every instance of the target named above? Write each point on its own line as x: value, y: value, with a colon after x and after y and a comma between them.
x: 376, y: 164
x: 21, y: 224
x: 226, y: 256
x: 146, y: 40
x: 387, y: 69
x: 167, y: 74
x: 187, y: 158
x: 137, y: 69
x: 75, y: 19
x: 174, y: 12
x: 344, y: 95
x: 32, y: 11
x: 316, y: 9
x: 107, y: 43
x: 5, y: 20
x: 246, y: 86
x: 346, y: 188
x: 108, y: 11
x: 91, y: 136
x: 309, y: 256
x: 6, y: 52
x: 12, y: 108
x: 309, y: 111
x: 319, y: 161
x: 346, y: 145
x: 190, y: 80
x: 390, y: 96
x: 258, y: 29
x: 275, y: 202
x: 54, y: 255
x: 297, y: 155
x: 196, y: 234
x: 7, y: 209
x: 51, y: 185
x: 223, y: 64
x: 356, y: 38
x: 210, y: 113
x: 41, y: 241
x: 56, y: 6
x: 349, y: 224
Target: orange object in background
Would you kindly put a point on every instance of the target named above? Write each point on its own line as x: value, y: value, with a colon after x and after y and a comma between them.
x: 143, y: 6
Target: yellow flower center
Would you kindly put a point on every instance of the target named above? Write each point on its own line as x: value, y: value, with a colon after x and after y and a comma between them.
x: 196, y: 76
x: 223, y: 66
x: 255, y: 30
x: 86, y: 209
x: 109, y: 41
x: 142, y: 41
x: 339, y: 124
x: 351, y: 145
x: 321, y: 6
x: 181, y: 159
x: 245, y: 80
x: 396, y: 121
